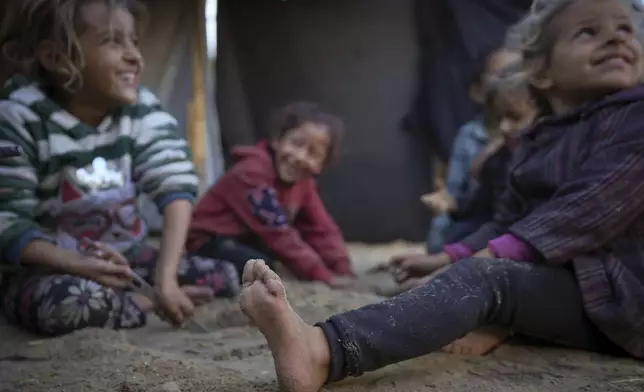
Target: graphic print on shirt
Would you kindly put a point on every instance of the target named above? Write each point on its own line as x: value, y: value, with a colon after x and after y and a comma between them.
x: 98, y: 202
x: 266, y: 207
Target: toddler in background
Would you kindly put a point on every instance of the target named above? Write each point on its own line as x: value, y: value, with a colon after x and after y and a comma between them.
x: 509, y: 107
x: 448, y: 199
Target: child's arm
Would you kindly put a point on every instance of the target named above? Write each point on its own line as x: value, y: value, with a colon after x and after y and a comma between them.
x: 459, y: 182
x: 490, y: 149
x: 18, y: 201
x: 603, y: 199
x: 163, y: 169
x: 22, y: 241
x: 255, y: 203
x: 320, y: 231
x: 505, y: 207
x: 162, y: 160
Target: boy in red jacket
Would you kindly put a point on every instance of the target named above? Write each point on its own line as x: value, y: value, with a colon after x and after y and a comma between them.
x: 267, y: 205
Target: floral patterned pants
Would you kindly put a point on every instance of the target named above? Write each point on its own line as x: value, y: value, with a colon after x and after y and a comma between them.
x: 58, y: 304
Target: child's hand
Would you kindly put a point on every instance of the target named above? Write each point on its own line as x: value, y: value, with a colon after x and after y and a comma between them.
x: 484, y: 253
x: 437, y: 203
x: 405, y: 267
x: 102, y: 251
x: 102, y: 271
x: 490, y: 149
x: 101, y: 263
x: 174, y: 304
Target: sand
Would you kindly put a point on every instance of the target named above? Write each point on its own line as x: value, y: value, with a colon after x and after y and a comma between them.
x: 234, y: 356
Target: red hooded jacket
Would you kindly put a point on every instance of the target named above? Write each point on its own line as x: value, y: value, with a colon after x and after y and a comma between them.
x: 290, y: 219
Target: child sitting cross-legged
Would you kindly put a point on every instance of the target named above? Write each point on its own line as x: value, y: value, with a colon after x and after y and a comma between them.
x: 92, y: 140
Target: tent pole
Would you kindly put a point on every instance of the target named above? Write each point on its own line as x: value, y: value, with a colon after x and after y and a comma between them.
x: 196, y: 108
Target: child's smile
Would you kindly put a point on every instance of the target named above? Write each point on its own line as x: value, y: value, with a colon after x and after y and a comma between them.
x: 113, y: 60
x: 301, y: 152
x: 596, y: 51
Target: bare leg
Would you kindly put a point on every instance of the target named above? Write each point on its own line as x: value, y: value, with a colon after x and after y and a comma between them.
x: 301, y: 352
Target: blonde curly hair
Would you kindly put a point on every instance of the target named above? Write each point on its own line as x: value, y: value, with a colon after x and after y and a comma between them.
x: 25, y: 24
x: 533, y: 37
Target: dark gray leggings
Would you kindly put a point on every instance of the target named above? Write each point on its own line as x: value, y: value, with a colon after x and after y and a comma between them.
x: 533, y: 300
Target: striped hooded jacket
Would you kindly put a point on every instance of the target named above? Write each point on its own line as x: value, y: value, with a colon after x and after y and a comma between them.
x: 74, y: 180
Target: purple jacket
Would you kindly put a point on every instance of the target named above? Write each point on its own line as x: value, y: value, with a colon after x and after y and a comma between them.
x: 576, y: 195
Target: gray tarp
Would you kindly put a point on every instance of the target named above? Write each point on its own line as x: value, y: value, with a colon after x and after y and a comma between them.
x: 167, y: 48
x: 368, y: 61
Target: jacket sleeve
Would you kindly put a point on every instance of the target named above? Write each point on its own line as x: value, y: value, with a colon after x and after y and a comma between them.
x: 459, y: 183
x: 505, y: 208
x: 605, y: 196
x: 162, y: 160
x: 18, y: 184
x: 321, y: 233
x: 256, y: 204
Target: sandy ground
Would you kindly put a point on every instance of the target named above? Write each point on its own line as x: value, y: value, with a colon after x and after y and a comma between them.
x: 234, y: 357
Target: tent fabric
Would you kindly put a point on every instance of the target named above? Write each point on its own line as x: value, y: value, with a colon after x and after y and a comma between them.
x: 371, y: 61
x: 168, y: 50
x: 453, y: 37
x: 358, y: 59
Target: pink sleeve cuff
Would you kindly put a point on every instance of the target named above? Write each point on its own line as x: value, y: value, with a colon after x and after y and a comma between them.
x: 457, y: 251
x: 508, y: 246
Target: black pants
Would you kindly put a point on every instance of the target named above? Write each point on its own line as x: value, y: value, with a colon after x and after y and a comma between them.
x: 532, y: 300
x: 236, y: 251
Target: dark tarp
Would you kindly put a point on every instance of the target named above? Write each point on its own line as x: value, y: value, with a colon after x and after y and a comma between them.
x: 361, y: 59
x: 454, y: 37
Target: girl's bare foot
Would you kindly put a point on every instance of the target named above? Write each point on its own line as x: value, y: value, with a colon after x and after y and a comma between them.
x: 300, y: 352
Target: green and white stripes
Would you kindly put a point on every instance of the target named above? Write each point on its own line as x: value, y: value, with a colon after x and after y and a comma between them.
x: 142, y: 138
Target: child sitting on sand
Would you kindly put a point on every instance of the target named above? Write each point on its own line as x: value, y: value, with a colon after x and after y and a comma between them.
x: 267, y: 205
x: 509, y: 108
x: 451, y: 222
x: 563, y: 259
x: 91, y: 140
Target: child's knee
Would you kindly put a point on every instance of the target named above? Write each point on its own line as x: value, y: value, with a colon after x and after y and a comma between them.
x: 73, y: 303
x: 489, y: 268
x: 223, y: 278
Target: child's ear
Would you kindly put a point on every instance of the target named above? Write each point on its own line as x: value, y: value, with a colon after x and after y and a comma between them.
x: 540, y: 78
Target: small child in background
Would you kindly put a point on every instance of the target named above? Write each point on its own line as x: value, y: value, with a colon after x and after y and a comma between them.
x: 267, y: 205
x: 461, y: 187
x: 91, y: 140
x: 509, y: 107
